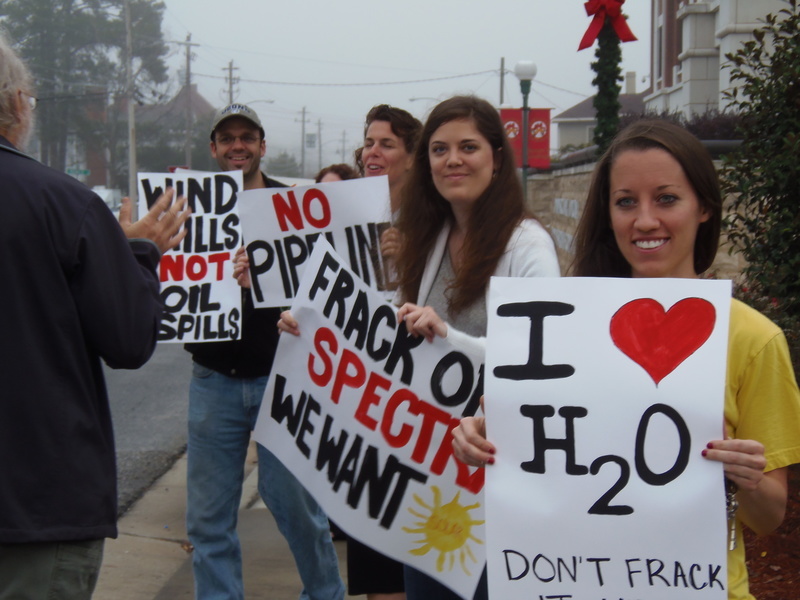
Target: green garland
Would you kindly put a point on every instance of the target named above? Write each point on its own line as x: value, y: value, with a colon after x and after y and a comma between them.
x: 606, y: 101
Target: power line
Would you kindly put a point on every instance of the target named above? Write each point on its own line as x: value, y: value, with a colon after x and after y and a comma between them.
x: 226, y: 51
x: 71, y: 96
x: 555, y: 104
x: 351, y: 84
x: 406, y: 82
x: 560, y: 89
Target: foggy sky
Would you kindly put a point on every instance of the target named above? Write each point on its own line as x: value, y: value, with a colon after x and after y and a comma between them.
x: 431, y: 43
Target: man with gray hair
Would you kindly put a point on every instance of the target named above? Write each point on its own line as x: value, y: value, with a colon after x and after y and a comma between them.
x: 75, y: 291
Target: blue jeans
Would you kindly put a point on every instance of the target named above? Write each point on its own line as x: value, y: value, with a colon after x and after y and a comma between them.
x: 222, y: 414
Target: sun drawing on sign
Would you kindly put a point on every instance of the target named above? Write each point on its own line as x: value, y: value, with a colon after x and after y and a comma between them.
x: 446, y: 528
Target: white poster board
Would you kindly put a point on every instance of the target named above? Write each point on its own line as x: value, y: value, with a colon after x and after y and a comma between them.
x: 600, y: 397
x: 281, y: 226
x: 202, y: 300
x: 361, y: 413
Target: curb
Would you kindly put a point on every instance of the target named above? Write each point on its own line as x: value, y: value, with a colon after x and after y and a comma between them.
x: 151, y: 558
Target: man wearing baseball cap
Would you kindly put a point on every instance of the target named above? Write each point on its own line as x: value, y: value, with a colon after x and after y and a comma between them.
x: 228, y: 382
x: 237, y: 142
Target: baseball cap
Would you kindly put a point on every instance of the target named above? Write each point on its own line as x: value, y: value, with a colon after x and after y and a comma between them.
x: 236, y: 110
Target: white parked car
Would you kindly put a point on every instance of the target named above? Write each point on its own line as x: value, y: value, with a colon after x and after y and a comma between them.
x: 112, y: 198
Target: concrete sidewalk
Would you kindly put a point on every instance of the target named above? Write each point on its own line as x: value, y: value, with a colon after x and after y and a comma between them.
x: 151, y: 558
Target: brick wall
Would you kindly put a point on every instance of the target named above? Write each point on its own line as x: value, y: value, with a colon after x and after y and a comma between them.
x: 557, y: 199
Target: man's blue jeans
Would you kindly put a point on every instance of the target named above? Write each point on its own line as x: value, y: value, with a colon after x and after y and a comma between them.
x: 222, y: 414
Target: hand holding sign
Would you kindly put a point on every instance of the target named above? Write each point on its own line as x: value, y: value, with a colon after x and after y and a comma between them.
x: 744, y: 462
x: 288, y: 323
x: 422, y: 321
x: 390, y: 242
x: 470, y: 444
x: 241, y: 268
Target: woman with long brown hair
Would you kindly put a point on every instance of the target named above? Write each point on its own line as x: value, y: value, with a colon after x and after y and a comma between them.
x: 654, y: 209
x: 390, y: 136
x: 462, y: 220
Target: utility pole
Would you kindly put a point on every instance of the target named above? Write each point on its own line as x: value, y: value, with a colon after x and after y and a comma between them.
x: 303, y: 144
x: 187, y: 85
x: 344, y: 136
x: 231, y: 80
x: 187, y: 146
x: 319, y: 143
x: 502, y: 77
x: 133, y: 184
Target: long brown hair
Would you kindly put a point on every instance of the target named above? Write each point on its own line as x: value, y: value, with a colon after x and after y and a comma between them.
x: 596, y: 250
x: 424, y: 212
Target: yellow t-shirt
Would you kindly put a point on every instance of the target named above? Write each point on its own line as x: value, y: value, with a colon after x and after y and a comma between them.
x: 762, y: 403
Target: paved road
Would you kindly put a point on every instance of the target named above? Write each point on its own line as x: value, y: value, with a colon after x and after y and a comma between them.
x: 149, y: 408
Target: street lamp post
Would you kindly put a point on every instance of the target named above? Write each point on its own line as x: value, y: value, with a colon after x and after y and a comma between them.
x: 525, y: 71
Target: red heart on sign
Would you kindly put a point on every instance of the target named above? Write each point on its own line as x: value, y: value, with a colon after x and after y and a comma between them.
x: 659, y: 341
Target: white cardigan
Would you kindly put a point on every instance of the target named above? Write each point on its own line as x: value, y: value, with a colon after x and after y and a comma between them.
x: 530, y: 252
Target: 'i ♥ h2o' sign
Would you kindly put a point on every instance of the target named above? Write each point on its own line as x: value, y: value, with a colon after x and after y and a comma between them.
x: 600, y: 396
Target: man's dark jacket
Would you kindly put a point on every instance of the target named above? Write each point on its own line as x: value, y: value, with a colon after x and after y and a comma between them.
x: 74, y: 291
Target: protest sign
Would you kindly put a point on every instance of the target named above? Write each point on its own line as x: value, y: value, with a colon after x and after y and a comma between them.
x: 281, y: 226
x: 600, y: 397
x: 361, y: 413
x: 202, y: 300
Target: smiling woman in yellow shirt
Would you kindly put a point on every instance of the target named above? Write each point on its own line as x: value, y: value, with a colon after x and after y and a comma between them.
x: 654, y: 209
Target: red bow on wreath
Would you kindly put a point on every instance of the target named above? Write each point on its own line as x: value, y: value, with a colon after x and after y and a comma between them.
x: 602, y: 9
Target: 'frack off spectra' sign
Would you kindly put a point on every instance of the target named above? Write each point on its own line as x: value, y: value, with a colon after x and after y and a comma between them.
x: 202, y: 300
x: 281, y: 226
x: 600, y: 397
x: 361, y: 413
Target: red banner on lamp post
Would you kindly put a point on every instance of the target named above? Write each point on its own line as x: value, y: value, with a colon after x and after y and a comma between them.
x: 538, y: 135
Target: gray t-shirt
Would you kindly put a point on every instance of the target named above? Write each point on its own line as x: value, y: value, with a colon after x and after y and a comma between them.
x: 471, y: 320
